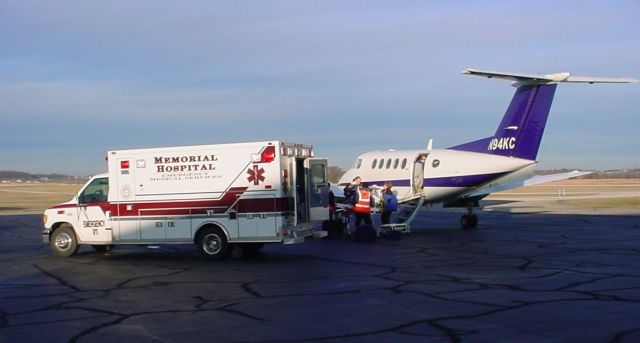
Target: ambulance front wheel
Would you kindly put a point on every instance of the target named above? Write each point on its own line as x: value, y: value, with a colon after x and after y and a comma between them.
x: 63, y: 241
x: 212, y: 243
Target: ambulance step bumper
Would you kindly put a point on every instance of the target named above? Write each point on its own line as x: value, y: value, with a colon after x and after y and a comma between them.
x: 402, y: 227
x: 293, y: 240
x: 320, y: 234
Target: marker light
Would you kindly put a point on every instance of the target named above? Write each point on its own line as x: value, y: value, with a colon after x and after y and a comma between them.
x: 268, y: 154
x: 124, y: 164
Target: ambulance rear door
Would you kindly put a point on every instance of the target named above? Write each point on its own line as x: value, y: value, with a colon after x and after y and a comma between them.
x: 317, y: 188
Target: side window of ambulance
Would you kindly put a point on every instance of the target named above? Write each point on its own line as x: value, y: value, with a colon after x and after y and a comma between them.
x: 97, y: 190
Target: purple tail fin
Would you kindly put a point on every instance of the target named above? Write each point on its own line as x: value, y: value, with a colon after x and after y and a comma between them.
x: 521, y: 129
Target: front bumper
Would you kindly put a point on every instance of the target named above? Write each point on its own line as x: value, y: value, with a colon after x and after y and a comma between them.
x: 46, y: 237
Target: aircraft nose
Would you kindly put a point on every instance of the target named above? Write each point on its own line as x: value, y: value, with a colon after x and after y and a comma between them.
x: 347, y: 177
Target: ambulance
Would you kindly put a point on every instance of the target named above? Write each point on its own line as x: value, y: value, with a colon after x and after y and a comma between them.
x: 217, y: 196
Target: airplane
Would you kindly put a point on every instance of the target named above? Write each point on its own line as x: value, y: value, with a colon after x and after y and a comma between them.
x: 461, y: 175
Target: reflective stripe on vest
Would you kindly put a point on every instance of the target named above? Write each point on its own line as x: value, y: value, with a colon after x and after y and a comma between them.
x: 362, y: 206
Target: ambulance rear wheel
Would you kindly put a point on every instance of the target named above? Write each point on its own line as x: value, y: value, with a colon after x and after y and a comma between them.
x: 212, y: 243
x: 252, y: 248
x: 103, y: 248
x: 63, y: 241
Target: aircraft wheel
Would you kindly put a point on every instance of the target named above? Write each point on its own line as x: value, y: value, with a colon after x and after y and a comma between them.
x: 469, y: 221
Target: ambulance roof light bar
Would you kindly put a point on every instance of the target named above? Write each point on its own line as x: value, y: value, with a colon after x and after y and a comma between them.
x: 297, y: 151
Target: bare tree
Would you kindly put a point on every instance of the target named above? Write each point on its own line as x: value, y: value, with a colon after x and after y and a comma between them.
x: 334, y: 173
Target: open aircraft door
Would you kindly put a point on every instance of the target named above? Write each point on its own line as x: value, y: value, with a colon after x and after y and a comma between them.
x: 317, y: 188
x: 417, y: 175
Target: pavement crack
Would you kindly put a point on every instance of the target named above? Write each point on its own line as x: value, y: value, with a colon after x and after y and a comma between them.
x: 620, y: 336
x: 60, y: 279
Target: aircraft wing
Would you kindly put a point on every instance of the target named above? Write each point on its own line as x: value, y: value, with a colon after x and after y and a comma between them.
x: 538, y: 179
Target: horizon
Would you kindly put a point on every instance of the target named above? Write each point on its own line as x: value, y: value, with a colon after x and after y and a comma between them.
x: 623, y: 170
x: 82, y: 78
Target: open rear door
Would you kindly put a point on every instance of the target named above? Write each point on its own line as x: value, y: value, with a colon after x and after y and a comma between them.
x: 317, y: 188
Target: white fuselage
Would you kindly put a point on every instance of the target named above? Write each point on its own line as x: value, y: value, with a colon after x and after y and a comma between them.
x: 440, y: 175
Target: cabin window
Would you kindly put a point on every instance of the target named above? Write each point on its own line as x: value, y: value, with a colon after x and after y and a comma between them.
x: 395, y: 163
x: 381, y: 163
x: 404, y: 163
x: 388, y: 163
x: 359, y: 163
x: 373, y: 165
x: 435, y: 163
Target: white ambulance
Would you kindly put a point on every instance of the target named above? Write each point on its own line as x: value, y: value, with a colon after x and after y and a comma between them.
x: 216, y: 196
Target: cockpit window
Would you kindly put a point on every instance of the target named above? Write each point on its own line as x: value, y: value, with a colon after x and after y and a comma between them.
x: 358, y: 163
x: 373, y: 165
x: 395, y: 163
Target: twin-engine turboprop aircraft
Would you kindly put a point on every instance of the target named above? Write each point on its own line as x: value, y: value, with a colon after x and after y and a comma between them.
x: 462, y: 175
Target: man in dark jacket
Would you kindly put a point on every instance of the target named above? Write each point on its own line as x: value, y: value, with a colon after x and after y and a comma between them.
x: 350, y: 190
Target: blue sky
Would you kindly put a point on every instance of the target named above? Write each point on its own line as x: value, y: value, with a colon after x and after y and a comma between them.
x: 78, y: 78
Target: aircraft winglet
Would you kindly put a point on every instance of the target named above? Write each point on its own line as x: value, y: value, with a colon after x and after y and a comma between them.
x: 534, y: 79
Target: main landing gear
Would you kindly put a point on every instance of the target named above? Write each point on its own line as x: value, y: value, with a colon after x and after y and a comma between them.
x: 470, y: 220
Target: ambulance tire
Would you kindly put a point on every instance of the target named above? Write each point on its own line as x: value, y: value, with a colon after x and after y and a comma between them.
x: 63, y: 241
x: 102, y: 248
x: 212, y: 243
x: 252, y: 248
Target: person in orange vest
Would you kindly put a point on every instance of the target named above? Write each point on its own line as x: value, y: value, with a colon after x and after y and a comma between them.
x: 362, y: 205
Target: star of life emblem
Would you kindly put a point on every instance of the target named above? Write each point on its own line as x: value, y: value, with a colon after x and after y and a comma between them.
x: 255, y: 175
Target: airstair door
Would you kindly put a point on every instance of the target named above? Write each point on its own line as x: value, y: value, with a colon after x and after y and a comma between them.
x: 417, y: 178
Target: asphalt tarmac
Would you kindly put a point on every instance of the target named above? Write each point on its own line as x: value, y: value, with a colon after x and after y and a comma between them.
x: 516, y: 278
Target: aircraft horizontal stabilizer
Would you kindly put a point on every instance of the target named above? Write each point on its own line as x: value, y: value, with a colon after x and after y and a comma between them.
x: 534, y: 79
x: 538, y: 179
